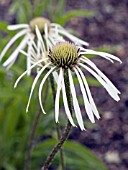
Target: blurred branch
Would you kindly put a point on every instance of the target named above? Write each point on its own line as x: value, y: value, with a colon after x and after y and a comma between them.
x: 37, y: 118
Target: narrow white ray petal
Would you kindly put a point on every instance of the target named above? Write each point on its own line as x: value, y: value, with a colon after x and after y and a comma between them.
x: 23, y: 52
x: 54, y: 25
x: 110, y: 56
x: 17, y: 26
x: 29, y: 57
x: 18, y: 35
x: 95, y: 111
x: 58, y: 95
x: 72, y: 37
x: 16, y: 52
x: 50, y: 45
x: 10, y: 64
x: 33, y: 56
x: 46, y: 35
x: 52, y: 40
x: 89, y: 62
x: 56, y: 38
x: 33, y: 53
x: 34, y: 83
x: 89, y: 52
x: 56, y: 30
x: 110, y: 90
x: 66, y: 103
x: 62, y: 31
x: 55, y: 75
x: 102, y: 54
x: 33, y: 43
x: 35, y: 64
x: 39, y: 36
x: 38, y: 48
x: 86, y: 102
x: 75, y: 102
x: 41, y: 86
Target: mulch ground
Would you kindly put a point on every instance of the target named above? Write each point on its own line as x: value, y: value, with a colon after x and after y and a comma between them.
x: 109, y: 139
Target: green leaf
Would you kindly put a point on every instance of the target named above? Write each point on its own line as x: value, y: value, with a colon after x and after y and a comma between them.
x: 75, y: 13
x: 40, y: 7
x: 107, y: 48
x: 3, y: 26
x: 77, y: 156
x: 93, y: 82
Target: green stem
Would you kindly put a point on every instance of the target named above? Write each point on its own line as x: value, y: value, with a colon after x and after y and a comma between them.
x: 57, y: 125
x: 66, y: 130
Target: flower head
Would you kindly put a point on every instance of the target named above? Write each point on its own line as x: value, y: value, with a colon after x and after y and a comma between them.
x: 64, y: 54
x: 37, y: 28
x: 66, y: 57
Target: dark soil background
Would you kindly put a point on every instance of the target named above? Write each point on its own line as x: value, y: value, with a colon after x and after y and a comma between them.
x: 109, y: 140
x: 109, y: 137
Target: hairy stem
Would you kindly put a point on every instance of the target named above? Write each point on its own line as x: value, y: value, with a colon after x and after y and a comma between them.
x: 57, y: 147
x: 57, y: 125
x: 66, y: 130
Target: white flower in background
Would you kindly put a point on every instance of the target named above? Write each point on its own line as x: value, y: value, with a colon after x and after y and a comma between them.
x: 37, y: 29
x: 67, y: 58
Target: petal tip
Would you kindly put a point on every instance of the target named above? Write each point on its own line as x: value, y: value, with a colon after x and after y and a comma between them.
x: 44, y: 112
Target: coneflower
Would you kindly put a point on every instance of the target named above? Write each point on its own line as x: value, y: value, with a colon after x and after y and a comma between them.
x: 67, y: 58
x: 38, y: 29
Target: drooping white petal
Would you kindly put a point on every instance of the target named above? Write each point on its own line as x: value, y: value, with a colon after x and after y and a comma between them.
x: 95, y: 111
x: 89, y: 52
x: 10, y: 64
x: 110, y: 56
x: 110, y: 90
x: 50, y: 45
x: 35, y: 64
x: 29, y: 56
x: 57, y: 38
x: 75, y: 102
x: 66, y: 103
x: 34, y: 83
x: 56, y: 30
x: 89, y: 62
x: 18, y: 35
x: 58, y: 95
x: 41, y: 86
x: 55, y: 75
x: 52, y: 40
x: 26, y: 54
x: 72, y: 37
x: 86, y: 102
x: 63, y: 32
x: 38, y: 48
x: 17, y: 26
x: 46, y: 35
x: 33, y: 42
x: 102, y: 54
x: 39, y: 36
x: 16, y: 52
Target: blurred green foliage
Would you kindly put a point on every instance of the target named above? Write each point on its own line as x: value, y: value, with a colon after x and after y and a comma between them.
x: 15, y: 123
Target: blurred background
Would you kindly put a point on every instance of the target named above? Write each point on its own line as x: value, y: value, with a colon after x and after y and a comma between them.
x: 104, y: 146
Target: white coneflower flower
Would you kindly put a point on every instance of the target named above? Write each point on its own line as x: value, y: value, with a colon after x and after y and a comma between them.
x: 51, y: 33
x: 67, y: 56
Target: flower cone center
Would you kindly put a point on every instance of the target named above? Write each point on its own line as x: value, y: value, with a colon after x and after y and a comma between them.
x: 40, y: 22
x: 64, y: 54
